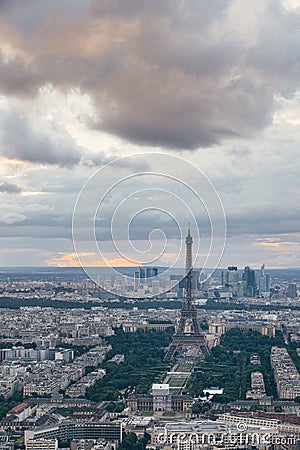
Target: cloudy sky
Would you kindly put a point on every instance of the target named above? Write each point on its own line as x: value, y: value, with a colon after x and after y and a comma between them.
x: 83, y: 82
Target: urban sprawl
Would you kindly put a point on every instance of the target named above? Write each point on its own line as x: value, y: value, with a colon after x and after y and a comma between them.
x: 85, y: 369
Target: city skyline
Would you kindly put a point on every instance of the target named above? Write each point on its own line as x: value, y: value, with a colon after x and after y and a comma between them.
x: 85, y: 82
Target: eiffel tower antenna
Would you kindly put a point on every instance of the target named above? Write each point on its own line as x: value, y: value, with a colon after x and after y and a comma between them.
x: 189, y: 332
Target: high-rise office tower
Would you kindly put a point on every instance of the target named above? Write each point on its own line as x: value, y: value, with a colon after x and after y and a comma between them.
x: 250, y: 282
x: 151, y: 272
x: 230, y: 279
x: 292, y: 290
x: 137, y: 283
x: 263, y: 283
x: 155, y: 287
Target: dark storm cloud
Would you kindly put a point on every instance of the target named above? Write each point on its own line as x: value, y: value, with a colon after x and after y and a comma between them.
x: 18, y: 77
x: 263, y: 221
x: 36, y: 219
x: 19, y: 140
x: 9, y: 188
x: 181, y: 74
x: 44, y: 232
x: 28, y: 16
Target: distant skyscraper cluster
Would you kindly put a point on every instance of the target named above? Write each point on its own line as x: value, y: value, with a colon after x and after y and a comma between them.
x: 144, y: 279
x: 247, y: 283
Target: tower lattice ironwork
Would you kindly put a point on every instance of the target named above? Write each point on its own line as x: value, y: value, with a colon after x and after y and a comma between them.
x: 189, y: 332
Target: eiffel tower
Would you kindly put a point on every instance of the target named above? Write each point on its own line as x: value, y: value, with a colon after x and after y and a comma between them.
x: 189, y: 332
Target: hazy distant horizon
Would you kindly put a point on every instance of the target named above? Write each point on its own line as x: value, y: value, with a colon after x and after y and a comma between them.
x: 58, y: 268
